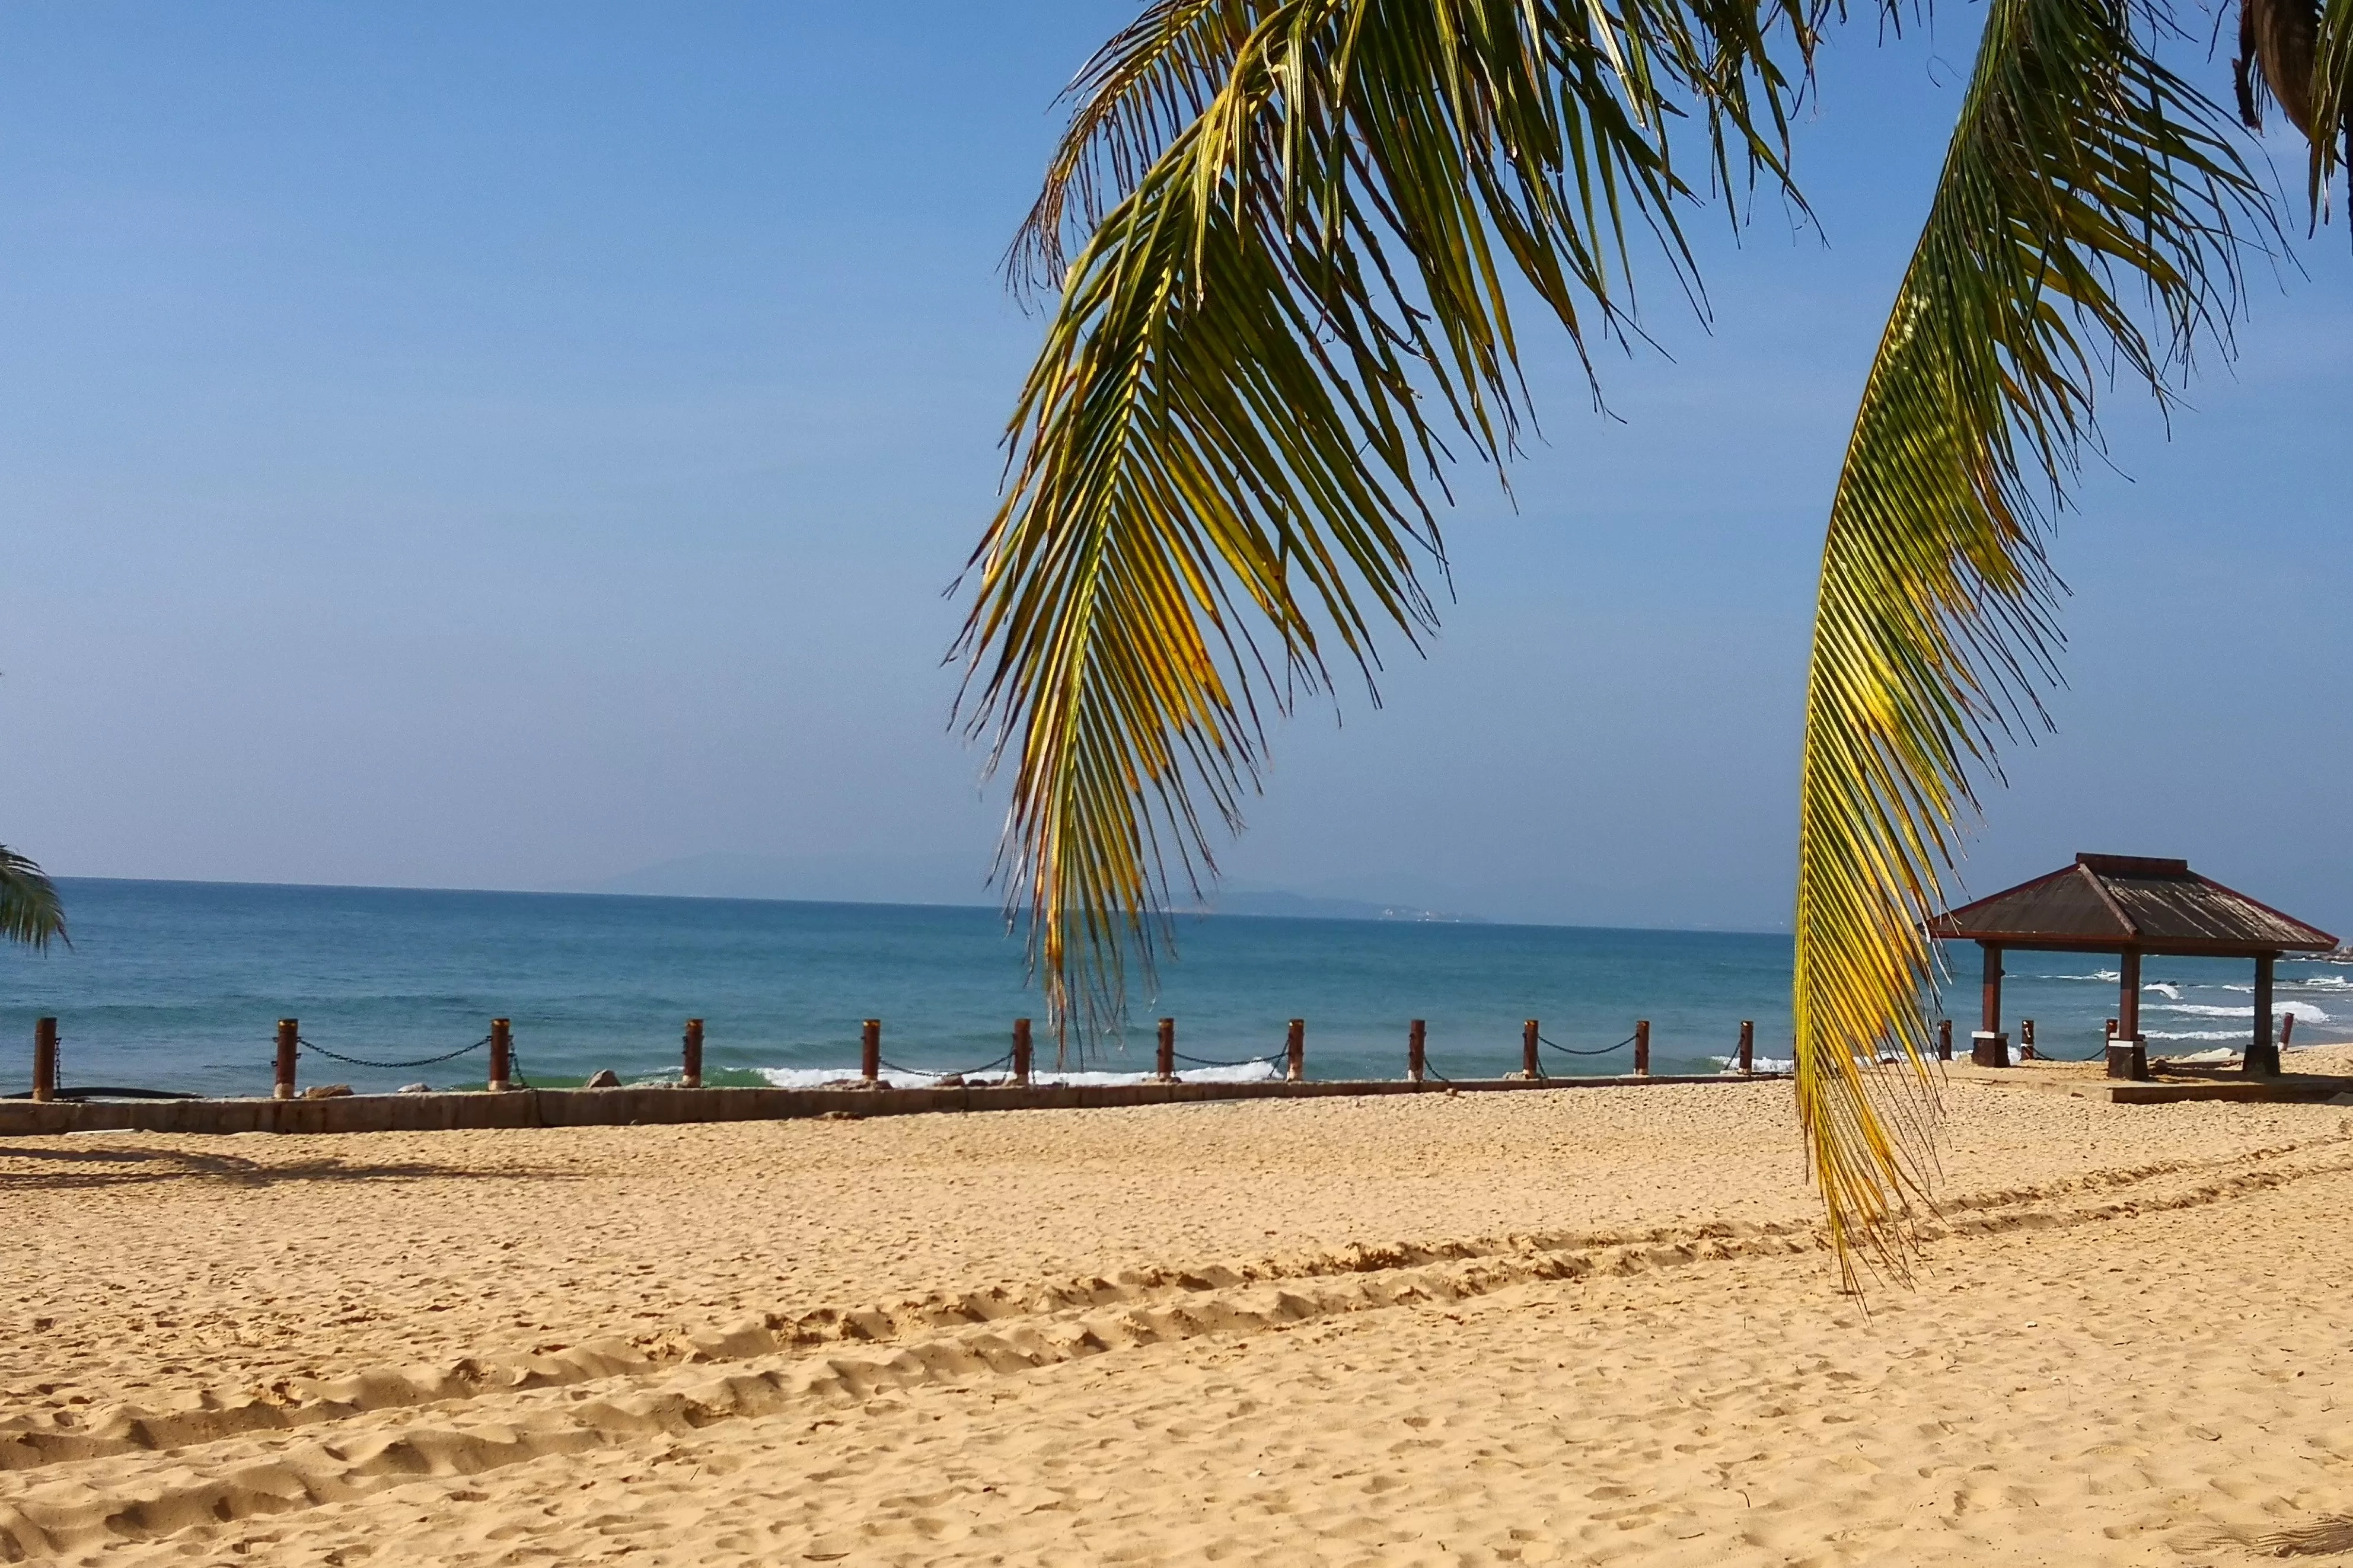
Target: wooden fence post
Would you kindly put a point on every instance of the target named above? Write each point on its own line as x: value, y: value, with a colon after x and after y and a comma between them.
x: 1164, y: 1063
x: 1417, y: 1056
x: 502, y: 1056
x: 2287, y: 1029
x: 1747, y: 1045
x: 1294, y: 1051
x: 289, y: 1032
x: 869, y: 1051
x: 1022, y: 1052
x: 44, y: 1058
x: 1643, y: 1046
x: 691, y: 1069
x: 1531, y: 1035
x: 1944, y: 1039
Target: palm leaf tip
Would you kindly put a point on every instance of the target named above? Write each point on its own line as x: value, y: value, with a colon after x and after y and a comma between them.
x: 2079, y: 161
x: 31, y: 912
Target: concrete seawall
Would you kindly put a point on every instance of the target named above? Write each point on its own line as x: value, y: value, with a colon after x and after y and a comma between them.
x: 655, y: 1106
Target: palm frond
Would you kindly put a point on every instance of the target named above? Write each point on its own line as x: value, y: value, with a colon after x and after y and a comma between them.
x: 2332, y: 98
x: 1223, y: 458
x: 30, y: 911
x: 2082, y: 177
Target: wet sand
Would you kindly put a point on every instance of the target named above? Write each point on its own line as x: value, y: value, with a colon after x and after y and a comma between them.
x: 1584, y: 1327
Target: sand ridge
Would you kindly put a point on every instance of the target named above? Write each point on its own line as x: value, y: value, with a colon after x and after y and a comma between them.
x: 509, y: 1429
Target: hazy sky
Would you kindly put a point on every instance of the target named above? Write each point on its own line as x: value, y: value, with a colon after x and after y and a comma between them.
x: 510, y: 446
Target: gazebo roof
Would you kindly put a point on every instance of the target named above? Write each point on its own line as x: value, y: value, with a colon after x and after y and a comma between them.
x: 2107, y: 903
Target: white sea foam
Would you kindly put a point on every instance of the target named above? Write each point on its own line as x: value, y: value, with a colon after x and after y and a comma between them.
x: 2163, y: 989
x: 819, y: 1078
x: 2313, y: 983
x: 1761, y: 1064
x: 2197, y: 1035
x: 2106, y: 976
x: 2305, y: 1012
x: 1243, y: 1072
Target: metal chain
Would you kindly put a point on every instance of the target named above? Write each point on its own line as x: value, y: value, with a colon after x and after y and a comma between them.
x: 420, y: 1062
x: 1602, y: 1051
x: 1245, y: 1062
x: 944, y: 1072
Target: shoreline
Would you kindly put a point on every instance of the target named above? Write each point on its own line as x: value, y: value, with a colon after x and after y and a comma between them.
x: 665, y: 1105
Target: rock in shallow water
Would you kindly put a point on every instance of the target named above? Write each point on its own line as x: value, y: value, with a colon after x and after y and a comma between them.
x: 604, y: 1077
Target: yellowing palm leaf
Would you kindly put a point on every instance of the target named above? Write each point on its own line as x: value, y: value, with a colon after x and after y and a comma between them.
x: 2078, y: 161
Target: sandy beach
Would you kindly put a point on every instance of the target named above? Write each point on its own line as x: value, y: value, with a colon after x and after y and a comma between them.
x: 1594, y: 1326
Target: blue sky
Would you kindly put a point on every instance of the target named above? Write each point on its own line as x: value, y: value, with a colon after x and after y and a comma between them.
x: 508, y: 446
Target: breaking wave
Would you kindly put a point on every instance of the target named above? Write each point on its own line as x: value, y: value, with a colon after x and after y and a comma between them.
x: 2303, y: 1012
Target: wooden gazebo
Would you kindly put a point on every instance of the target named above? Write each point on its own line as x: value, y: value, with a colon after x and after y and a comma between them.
x: 2135, y: 906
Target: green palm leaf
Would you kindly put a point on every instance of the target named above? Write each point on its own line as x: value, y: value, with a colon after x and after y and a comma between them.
x: 1221, y: 459
x: 2081, y: 173
x: 30, y: 911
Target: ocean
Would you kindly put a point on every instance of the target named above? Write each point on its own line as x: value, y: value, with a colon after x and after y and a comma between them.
x: 178, y: 985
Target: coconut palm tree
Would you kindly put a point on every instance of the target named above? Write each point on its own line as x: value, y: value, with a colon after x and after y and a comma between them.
x: 1289, y: 238
x: 30, y: 911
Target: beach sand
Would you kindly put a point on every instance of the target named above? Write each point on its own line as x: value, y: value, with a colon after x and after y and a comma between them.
x: 1592, y: 1326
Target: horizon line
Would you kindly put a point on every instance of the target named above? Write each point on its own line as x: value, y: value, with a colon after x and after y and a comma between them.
x: 898, y: 903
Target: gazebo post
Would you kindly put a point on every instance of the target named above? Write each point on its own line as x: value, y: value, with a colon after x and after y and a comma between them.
x: 2263, y: 1055
x: 1989, y: 1047
x: 2128, y: 1052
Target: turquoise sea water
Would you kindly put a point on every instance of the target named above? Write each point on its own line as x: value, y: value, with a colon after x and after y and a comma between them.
x: 179, y: 985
